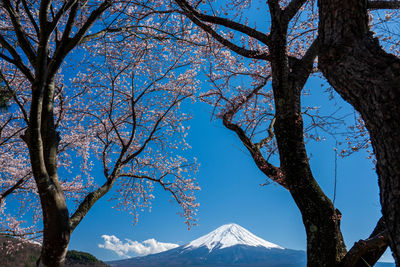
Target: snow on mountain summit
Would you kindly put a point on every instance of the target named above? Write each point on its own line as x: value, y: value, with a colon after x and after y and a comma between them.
x: 229, y: 235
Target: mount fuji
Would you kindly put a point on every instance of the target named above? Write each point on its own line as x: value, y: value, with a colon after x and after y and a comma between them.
x: 228, y: 245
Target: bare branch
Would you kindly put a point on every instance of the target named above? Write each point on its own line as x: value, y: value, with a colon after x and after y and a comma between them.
x: 395, y: 4
x: 16, y: 60
x: 88, y: 202
x: 270, y: 136
x: 273, y: 172
x: 370, y: 250
x: 11, y: 190
x: 291, y: 10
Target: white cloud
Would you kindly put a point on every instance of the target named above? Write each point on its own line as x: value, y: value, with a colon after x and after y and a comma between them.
x: 129, y: 247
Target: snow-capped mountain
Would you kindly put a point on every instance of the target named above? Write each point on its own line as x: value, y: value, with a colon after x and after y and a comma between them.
x: 228, y: 245
x: 229, y: 235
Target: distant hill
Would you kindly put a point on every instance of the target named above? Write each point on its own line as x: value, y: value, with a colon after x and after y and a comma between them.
x: 27, y: 255
x: 82, y: 259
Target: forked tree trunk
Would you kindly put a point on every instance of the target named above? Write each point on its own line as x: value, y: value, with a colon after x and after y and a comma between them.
x: 369, y: 79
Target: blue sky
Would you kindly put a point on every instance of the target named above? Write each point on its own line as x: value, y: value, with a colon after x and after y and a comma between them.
x: 231, y: 193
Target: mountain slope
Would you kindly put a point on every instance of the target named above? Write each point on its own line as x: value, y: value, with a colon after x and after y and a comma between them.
x: 230, y: 235
x: 239, y: 255
x: 228, y: 245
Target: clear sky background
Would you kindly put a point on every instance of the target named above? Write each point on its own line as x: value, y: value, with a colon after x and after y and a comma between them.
x: 231, y: 193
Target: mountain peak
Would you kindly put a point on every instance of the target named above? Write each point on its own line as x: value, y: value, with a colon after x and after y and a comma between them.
x: 229, y: 235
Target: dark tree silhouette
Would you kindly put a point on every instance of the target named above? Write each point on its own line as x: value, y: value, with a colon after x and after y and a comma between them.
x: 369, y: 79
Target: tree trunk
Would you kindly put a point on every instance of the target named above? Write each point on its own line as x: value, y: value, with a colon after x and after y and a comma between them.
x: 42, y: 140
x: 325, y: 246
x: 369, y: 79
x: 56, y: 231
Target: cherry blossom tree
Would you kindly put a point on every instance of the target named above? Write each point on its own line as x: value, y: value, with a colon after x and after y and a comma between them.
x: 258, y: 71
x: 90, y: 84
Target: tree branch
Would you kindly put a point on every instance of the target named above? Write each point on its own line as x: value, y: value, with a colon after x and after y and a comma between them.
x: 264, y: 38
x: 25, y: 45
x: 103, y: 32
x: 291, y: 10
x: 395, y: 4
x: 207, y: 28
x: 70, y: 22
x: 368, y: 251
x: 67, y: 43
x: 153, y: 131
x: 301, y: 69
x: 273, y: 172
x: 88, y: 202
x: 30, y: 16
x: 9, y: 191
x: 16, y: 60
x: 65, y: 7
x: 14, y: 96
x: 89, y: 22
x: 270, y: 136
x: 159, y: 181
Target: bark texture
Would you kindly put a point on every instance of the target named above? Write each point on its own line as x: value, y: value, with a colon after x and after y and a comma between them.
x: 325, y: 246
x: 369, y: 79
x: 42, y: 140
